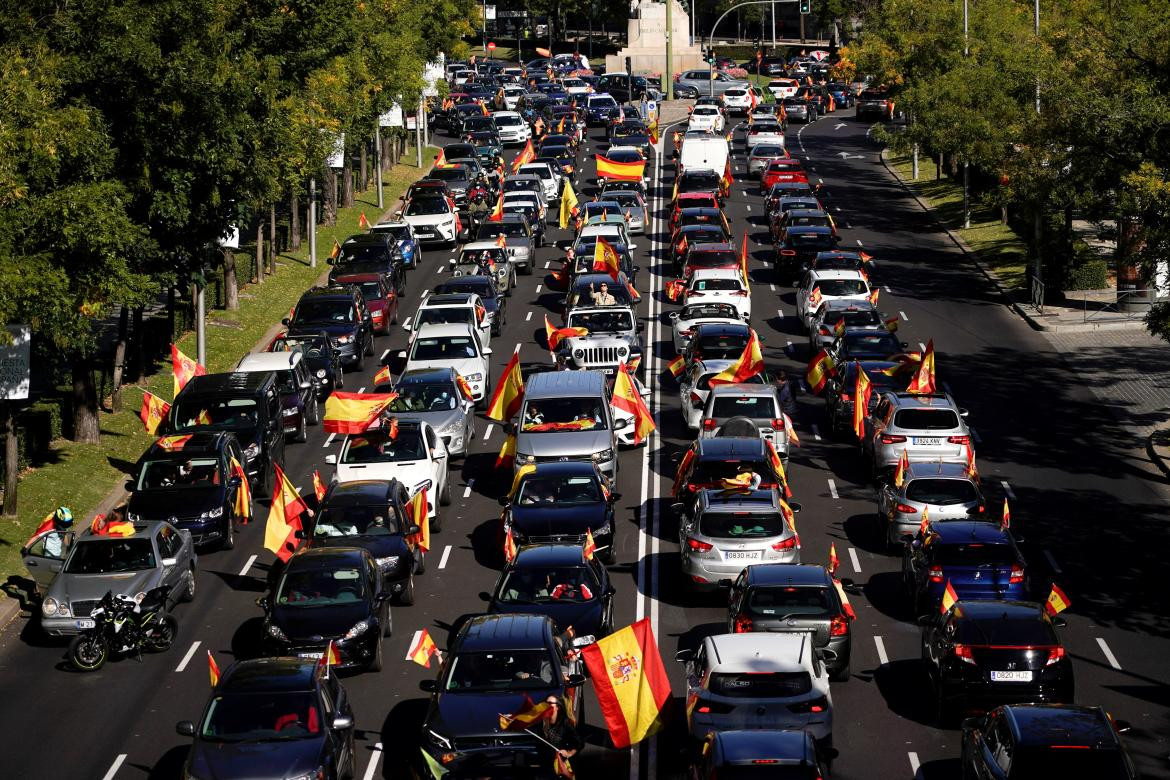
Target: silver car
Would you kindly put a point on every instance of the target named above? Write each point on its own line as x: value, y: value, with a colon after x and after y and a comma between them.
x: 685, y: 322
x: 945, y: 491
x: 633, y: 206
x: 695, y: 385
x: 725, y: 531
x: 433, y: 395
x: 746, y: 410
x: 566, y: 416
x: 156, y: 554
x: 518, y: 235
x: 929, y: 427
x: 612, y: 338
x: 697, y: 83
x: 762, y: 155
x: 857, y: 315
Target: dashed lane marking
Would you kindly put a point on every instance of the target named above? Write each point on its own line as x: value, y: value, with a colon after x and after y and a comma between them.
x: 546, y: 265
x: 833, y: 489
x: 488, y: 431
x: 854, y: 560
x: 387, y: 352
x: 858, y: 240
x: 1007, y: 489
x: 372, y: 767
x: 886, y: 287
x: 922, y: 346
x: 1052, y: 563
x: 329, y: 440
x: 529, y: 317
x: 248, y: 565
x: 816, y: 432
x: 470, y: 485
x: 113, y: 770
x: 188, y: 656
x: 1109, y: 656
x: 772, y: 287
x: 538, y: 288
x: 362, y: 389
x: 446, y: 555
x: 405, y: 326
x: 913, y: 762
x: 881, y: 650
x: 904, y: 317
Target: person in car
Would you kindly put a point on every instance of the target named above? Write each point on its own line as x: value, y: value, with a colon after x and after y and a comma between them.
x: 602, y: 296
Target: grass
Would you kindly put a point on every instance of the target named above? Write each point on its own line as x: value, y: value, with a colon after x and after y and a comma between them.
x: 998, y: 247
x: 80, y: 476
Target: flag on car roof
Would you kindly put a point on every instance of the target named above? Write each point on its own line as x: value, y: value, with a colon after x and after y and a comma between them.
x: 630, y: 681
x: 1006, y: 520
x: 627, y: 398
x: 949, y: 598
x: 923, y: 380
x: 423, y: 649
x: 318, y: 486
x: 748, y: 364
x: 589, y: 549
x: 184, y: 369
x: 509, y: 393
x: 284, y: 516
x: 354, y: 412
x: 620, y: 171
x: 154, y: 410
x: 1057, y: 601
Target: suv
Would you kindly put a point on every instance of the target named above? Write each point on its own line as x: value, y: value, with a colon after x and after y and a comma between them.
x: 518, y: 235
x: 341, y: 312
x: 612, y: 339
x: 929, y: 427
x: 946, y: 491
x: 456, y: 309
x: 191, y: 485
x: 873, y: 103
x: 381, y: 294
x: 402, y: 235
x: 699, y: 83
x: 746, y: 410
x: 454, y: 346
x: 497, y: 664
x: 833, y: 285
x: 600, y: 108
x: 322, y: 361
x: 724, y: 531
x: 369, y: 253
x: 566, y: 416
x: 694, y: 387
x: 298, y: 394
x: 248, y: 405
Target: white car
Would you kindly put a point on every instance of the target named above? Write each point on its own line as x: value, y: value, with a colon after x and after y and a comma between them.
x: 833, y: 286
x: 416, y: 457
x: 512, y: 95
x: 613, y: 231
x: 719, y: 285
x: 433, y: 218
x: 695, y: 385
x: 739, y: 100
x: 528, y: 198
x: 453, y: 309
x: 511, y: 126
x: 575, y: 87
x: 548, y: 179
x: 456, y: 346
x: 684, y: 322
x: 783, y: 88
x: 707, y: 118
x: 461, y: 77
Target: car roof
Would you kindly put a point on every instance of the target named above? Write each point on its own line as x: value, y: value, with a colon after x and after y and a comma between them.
x: 719, y: 500
x: 748, y: 745
x: 366, y: 238
x: 722, y: 328
x: 202, y: 442
x: 996, y: 609
x: 505, y: 632
x: 143, y: 529
x: 265, y: 675
x: 269, y: 361
x: 1041, y: 725
x: 325, y: 557
x: 442, y: 329
x: 716, y: 273
x: 744, y: 389
x: 328, y: 291
x: 553, y: 384
x: 239, y: 381
x: 549, y: 555
x: 829, y: 274
x: 969, y: 532
x: 847, y: 304
x: 360, y: 492
x: 795, y: 574
x: 905, y: 400
x: 759, y: 652
x: 937, y: 470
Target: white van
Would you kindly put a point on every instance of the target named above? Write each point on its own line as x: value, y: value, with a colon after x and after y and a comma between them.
x: 706, y: 151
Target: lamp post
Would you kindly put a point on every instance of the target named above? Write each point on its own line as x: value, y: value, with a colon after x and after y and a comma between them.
x: 711, y: 35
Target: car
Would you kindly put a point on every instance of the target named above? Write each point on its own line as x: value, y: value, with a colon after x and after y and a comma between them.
x: 944, y: 491
x: 531, y: 204
x: 600, y: 108
x: 341, y: 312
x: 783, y: 88
x: 575, y: 87
x: 191, y: 485
x: 696, y: 188
x: 696, y: 83
x: 783, y: 169
x: 273, y: 712
x: 518, y: 235
x: 708, y: 462
x: 371, y: 514
x: 299, y: 407
x: 157, y: 555
x: 722, y: 531
x: 605, y: 209
x: 633, y: 208
x: 458, y: 175
x: 631, y: 133
x: 1045, y: 740
x: 554, y: 140
x: 773, y: 681
x: 884, y: 376
x: 559, y: 503
x: 841, y: 93
x: 982, y: 654
x: 784, y: 201
x: 699, y: 233
x: 719, y: 286
x: 830, y: 284
x: 510, y: 97
x: 369, y: 253
x: 453, y: 345
x: 782, y: 221
x: 455, y: 309
x: 433, y: 396
x: 497, y: 664
x: 380, y: 295
x: 706, y: 118
x: 977, y: 560
x: 611, y: 338
x: 874, y: 104
x: 556, y: 580
x: 798, y: 245
x: 762, y: 155
x: 866, y: 344
x: 489, y: 258
x: 818, y: 96
x: 324, y: 595
x: 485, y: 287
x: 926, y: 426
x: 694, y: 387
x: 802, y: 109
x: 628, y: 89
x: 691, y: 316
x: 739, y: 100
x: 415, y: 456
x: 544, y: 172
x: 435, y: 220
x: 745, y: 409
x: 702, y: 215
x: 755, y: 752
x: 717, y: 344
x: 323, y: 362
x: 768, y: 133
x: 583, y: 285
x: 825, y: 320
x: 709, y: 257
x: 511, y: 126
x: 791, y: 599
x: 566, y: 416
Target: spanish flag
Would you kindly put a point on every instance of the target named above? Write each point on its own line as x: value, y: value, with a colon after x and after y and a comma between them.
x: 749, y: 363
x: 154, y: 410
x: 891, y: 323
x: 652, y: 131
x: 284, y: 516
x: 590, y: 546
x: 627, y: 398
x: 464, y: 388
x: 422, y: 650
x: 507, y: 455
x: 924, y: 527
x: 554, y: 336
x: 174, y: 443
x: 382, y: 377
x: 335, y: 252
x: 354, y: 412
x: 839, y: 328
x: 529, y: 714
x: 820, y: 368
x: 873, y: 295
x: 184, y: 369
x: 862, y: 389
x: 212, y: 669
x: 621, y: 171
x: 527, y: 155
x: 972, y: 469
x: 814, y: 298
x: 675, y: 289
x: 509, y: 394
x: 923, y: 380
x: 727, y: 180
x: 687, y: 459
x: 605, y: 258
x: 630, y: 682
x: 778, y: 466
x: 441, y: 159
x: 743, y: 264
x: 561, y: 767
x: 789, y: 426
x: 900, y: 471
x: 497, y: 214
x: 509, y: 546
x: 568, y: 204
x: 318, y: 486
x: 330, y: 657
x: 521, y: 473
x: 243, y: 504
x: 1005, y: 521
x: 502, y: 241
x: 363, y: 223
x: 834, y: 561
x: 1057, y: 601
x: 949, y: 598
x: 416, y: 514
x: 677, y: 366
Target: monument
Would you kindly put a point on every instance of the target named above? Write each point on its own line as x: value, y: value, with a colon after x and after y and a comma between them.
x: 647, y: 40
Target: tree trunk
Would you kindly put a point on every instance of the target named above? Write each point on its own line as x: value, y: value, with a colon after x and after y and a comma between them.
x: 363, y: 170
x: 272, y: 238
x: 347, y: 183
x: 260, y: 251
x: 86, y: 428
x: 138, y: 353
x: 11, y: 458
x: 938, y: 166
x: 231, y: 285
x: 120, y: 358
x: 387, y: 160
x: 294, y: 221
x: 329, y: 184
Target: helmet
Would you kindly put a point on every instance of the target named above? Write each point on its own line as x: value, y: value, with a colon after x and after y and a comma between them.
x: 63, y: 515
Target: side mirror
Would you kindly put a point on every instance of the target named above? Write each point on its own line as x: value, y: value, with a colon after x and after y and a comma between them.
x: 1059, y: 622
x: 963, y: 413
x: 413, y: 529
x: 484, y: 596
x: 575, y: 681
x: 284, y: 321
x: 400, y: 354
x: 621, y: 425
x: 487, y: 350
x: 428, y: 686
x: 343, y: 722
x: 678, y: 510
x: 795, y: 506
x: 185, y: 728
x: 684, y: 656
x: 129, y: 485
x: 169, y: 562
x: 331, y: 459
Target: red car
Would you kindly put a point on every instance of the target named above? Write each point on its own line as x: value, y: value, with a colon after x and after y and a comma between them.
x: 704, y: 257
x: 380, y: 297
x: 686, y: 200
x: 788, y: 170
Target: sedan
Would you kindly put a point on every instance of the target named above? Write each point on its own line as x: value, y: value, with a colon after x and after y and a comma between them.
x: 432, y: 395
x: 557, y: 580
x: 684, y: 322
x: 762, y: 155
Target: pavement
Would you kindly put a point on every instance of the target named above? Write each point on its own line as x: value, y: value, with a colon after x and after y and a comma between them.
x: 1085, y: 497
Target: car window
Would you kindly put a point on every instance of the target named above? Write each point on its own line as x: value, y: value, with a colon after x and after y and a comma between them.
x: 741, y: 525
x: 933, y: 490
x: 973, y: 554
x: 407, y: 445
x: 719, y: 346
x: 313, y: 587
x: 715, y: 285
x: 444, y: 348
x: 784, y: 601
x: 506, y: 670
x: 926, y: 419
x: 356, y: 521
x: 545, y: 585
x: 109, y: 556
x: 169, y: 542
x: 536, y: 491
x: 754, y: 406
x: 563, y: 414
x: 1000, y: 631
x: 429, y: 397
x: 267, y: 716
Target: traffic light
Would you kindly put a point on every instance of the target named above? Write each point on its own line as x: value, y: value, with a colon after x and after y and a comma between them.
x: 805, y: 7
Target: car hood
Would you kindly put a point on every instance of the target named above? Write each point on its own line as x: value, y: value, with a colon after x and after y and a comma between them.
x: 181, y: 502
x: 465, y: 366
x: 222, y: 760
x: 477, y: 714
x: 90, y: 587
x: 437, y: 420
x: 305, y: 623
x: 428, y: 219
x: 575, y: 445
x: 408, y: 472
x: 543, y: 520
x: 584, y: 618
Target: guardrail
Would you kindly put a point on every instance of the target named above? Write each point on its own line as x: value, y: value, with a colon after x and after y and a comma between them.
x: 1037, y: 287
x: 1116, y: 304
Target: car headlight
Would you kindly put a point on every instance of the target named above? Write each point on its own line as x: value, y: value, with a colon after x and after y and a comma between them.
x: 289, y: 412
x: 320, y: 373
x: 49, y: 607
x: 275, y: 632
x: 452, y: 427
x: 578, y: 353
x: 212, y: 513
x: 252, y: 451
x: 385, y: 564
x: 344, y: 339
x: 602, y: 456
x: 438, y: 739
x: 359, y: 628
x: 474, y: 377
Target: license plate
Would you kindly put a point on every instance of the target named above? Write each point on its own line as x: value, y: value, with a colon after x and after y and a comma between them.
x: 607, y: 371
x: 84, y: 623
x: 309, y: 655
x: 743, y: 555
x: 1011, y: 676
x: 928, y: 441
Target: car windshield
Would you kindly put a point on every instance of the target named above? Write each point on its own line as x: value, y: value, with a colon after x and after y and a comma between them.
x: 503, y: 670
x: 838, y: 286
x: 788, y: 601
x: 110, y: 556
x: 481, y: 287
x: 1063, y: 762
x: 741, y: 525
x: 268, y: 716
x: 826, y: 241
x: 523, y: 185
x: 422, y: 207
x: 327, y: 310
x: 761, y: 685
x: 455, y: 175
x: 371, y: 291
x: 754, y: 406
x: 629, y: 199
x: 583, y: 296
x: 176, y: 473
x: 604, y: 101
x: 360, y: 253
x: 563, y: 414
x: 488, y: 232
x: 973, y: 554
x: 314, y: 587
x: 443, y: 315
x: 429, y: 397
x: 215, y: 413
x: 508, y: 121
x: 545, y: 584
x: 444, y: 348
x: 558, y: 490
x: 853, y: 319
x: 356, y: 521
x: 701, y: 180
x: 933, y: 490
x: 312, y: 344
x: 602, y: 321
x: 720, y: 346
x: 712, y: 259
x: 868, y: 343
x: 624, y: 155
x: 407, y: 445
x: 818, y: 221
x: 926, y: 419
x: 715, y: 285
x: 396, y: 232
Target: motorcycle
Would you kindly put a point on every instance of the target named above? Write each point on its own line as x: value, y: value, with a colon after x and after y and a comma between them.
x: 124, y: 625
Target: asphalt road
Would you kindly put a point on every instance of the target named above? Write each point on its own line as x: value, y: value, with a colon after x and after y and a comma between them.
x: 1092, y: 514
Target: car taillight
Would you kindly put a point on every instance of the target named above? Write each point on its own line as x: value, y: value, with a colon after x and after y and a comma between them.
x: 819, y: 704
x: 709, y: 424
x: 743, y: 624
x: 740, y: 293
x: 697, y: 546
x: 891, y: 439
x: 1017, y: 574
x: 788, y: 252
x: 695, y: 397
x: 1054, y: 655
x: 778, y: 424
x: 906, y: 509
x: 787, y: 544
x: 824, y: 330
x: 839, y: 626
x: 964, y: 653
x: 959, y: 439
x: 935, y: 573
x: 688, y: 332
x: 694, y: 294
x: 846, y: 396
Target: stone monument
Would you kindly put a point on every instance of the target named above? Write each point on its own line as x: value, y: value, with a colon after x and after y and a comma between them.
x: 647, y: 40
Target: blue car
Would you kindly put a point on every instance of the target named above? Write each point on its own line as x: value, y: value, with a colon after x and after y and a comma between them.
x: 979, y: 559
x: 557, y: 580
x: 842, y: 94
x: 409, y: 249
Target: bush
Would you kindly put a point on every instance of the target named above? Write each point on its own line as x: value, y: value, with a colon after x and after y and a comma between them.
x: 1086, y: 275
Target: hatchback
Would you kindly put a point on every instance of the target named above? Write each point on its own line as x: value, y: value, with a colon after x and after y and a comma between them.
x: 562, y: 502
x: 824, y: 321
x: 694, y: 388
x: 726, y: 530
x: 746, y: 410
x: 978, y: 560
x: 556, y: 580
x: 762, y: 155
x: 758, y: 753
x: 707, y: 463
x: 943, y: 491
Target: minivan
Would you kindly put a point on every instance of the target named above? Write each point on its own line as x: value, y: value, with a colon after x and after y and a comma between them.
x: 565, y: 417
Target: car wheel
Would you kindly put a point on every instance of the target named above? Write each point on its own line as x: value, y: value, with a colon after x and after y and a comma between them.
x: 360, y: 363
x: 420, y: 563
x: 608, y: 556
x: 229, y: 540
x: 189, y: 593
x: 406, y: 597
x: 436, y: 523
x: 303, y: 430
x: 394, y: 320
x: 339, y: 377
x: 375, y: 664
x: 315, y: 414
x: 445, y: 494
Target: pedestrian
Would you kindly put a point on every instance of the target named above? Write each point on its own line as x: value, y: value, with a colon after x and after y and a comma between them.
x: 558, y: 731
x: 784, y: 391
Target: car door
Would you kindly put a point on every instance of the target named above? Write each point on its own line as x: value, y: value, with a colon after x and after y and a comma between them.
x: 39, y: 558
x: 933, y: 643
x: 167, y: 541
x: 332, y: 697
x: 275, y: 430
x: 437, y: 452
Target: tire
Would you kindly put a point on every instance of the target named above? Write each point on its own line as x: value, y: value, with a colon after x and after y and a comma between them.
x: 944, y: 713
x: 189, y: 593
x: 445, y: 494
x: 420, y: 563
x: 375, y: 664
x: 229, y: 540
x: 315, y: 416
x: 360, y: 363
x: 163, y: 635
x: 436, y: 523
x: 406, y: 597
x: 302, y: 434
x: 88, y: 652
x: 339, y: 378
x: 608, y: 556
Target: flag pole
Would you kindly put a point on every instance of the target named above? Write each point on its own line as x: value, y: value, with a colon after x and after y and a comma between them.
x: 542, y: 739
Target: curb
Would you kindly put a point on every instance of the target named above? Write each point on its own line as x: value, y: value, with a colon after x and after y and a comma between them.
x: 1158, y: 448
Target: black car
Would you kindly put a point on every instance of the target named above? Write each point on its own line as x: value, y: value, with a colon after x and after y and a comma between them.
x: 273, y: 717
x: 341, y: 312
x: 1045, y: 740
x: 323, y: 362
x: 710, y: 461
x: 459, y: 151
x: 485, y: 288
x: 981, y: 654
x: 558, y: 139
x: 330, y: 593
x: 531, y: 212
x: 371, y: 513
x: 564, y: 156
x: 560, y: 502
x: 496, y: 665
x: 458, y: 178
x: 190, y: 484
x: 838, y: 392
x: 370, y: 253
x: 247, y: 405
x: 798, y: 598
x: 702, y: 180
x: 758, y: 753
x: 693, y: 234
x: 864, y: 344
x: 800, y: 244
x: 558, y: 581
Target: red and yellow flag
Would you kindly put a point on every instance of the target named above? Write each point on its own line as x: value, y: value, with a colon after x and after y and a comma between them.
x: 509, y: 546
x: 212, y: 669
x: 354, y: 412
x: 318, y: 486
x: 630, y: 682
x: 284, y: 516
x: 561, y: 767
x: 790, y: 427
x: 949, y: 598
x: 815, y: 298
x: 677, y: 366
x: 675, y: 289
x: 839, y: 328
x: 820, y: 368
x: 507, y: 455
x: 335, y: 252
x: 620, y: 171
x: 363, y: 223
x: 154, y: 410
x: 423, y: 649
x: 1057, y: 601
x: 330, y: 657
x: 924, y: 526
x: 590, y: 546
x: 834, y: 561
x: 174, y: 443
x: 891, y: 323
x: 727, y: 180
x: 509, y: 394
x: 743, y: 264
x: 1005, y: 521
x: 748, y: 364
x: 464, y: 387
x: 554, y: 336
x: 606, y: 259
x: 383, y: 376
x: 100, y: 526
x: 873, y: 295
x: 243, y: 503
x: 687, y: 459
x: 184, y: 369
x: 972, y: 469
x: 529, y: 714
x: 862, y: 390
x: 527, y: 155
x: 900, y: 470
x: 416, y: 514
x: 627, y: 398
x: 923, y: 379
x: 778, y: 466
x: 497, y: 214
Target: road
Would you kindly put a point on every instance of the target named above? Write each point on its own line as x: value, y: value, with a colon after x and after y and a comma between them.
x: 1092, y: 514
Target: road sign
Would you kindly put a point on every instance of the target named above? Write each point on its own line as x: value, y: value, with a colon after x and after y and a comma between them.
x: 489, y: 13
x: 491, y: 45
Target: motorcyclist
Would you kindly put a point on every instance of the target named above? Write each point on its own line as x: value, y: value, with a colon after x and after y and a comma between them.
x: 478, y: 199
x: 60, y: 519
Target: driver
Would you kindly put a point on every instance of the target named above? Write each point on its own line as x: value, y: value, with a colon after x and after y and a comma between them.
x: 533, y: 415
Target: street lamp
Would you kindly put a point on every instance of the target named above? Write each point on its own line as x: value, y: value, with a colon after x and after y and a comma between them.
x: 711, y: 36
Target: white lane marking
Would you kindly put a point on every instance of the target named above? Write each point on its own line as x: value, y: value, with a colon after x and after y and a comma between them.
x: 387, y: 352
x: 546, y: 265
x: 780, y: 312
x: 847, y: 225
x: 529, y: 317
x: 1052, y: 562
x: 248, y: 565
x: 329, y: 439
x: 922, y: 346
x: 538, y: 288
x: 1007, y: 489
x: 854, y: 560
x: 362, y: 389
x: 816, y: 432
x: 470, y: 485
x: 833, y: 489
x: 439, y: 269
x: 858, y: 240
x: 1109, y: 656
x: 413, y: 641
x: 913, y: 762
x: 904, y: 317
x: 837, y: 209
x: 188, y: 655
x: 488, y: 431
x: 405, y: 326
x: 886, y: 287
x: 372, y: 767
x: 749, y: 208
x: 114, y: 767
x: 881, y: 650
x: 772, y: 287
x: 446, y: 555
